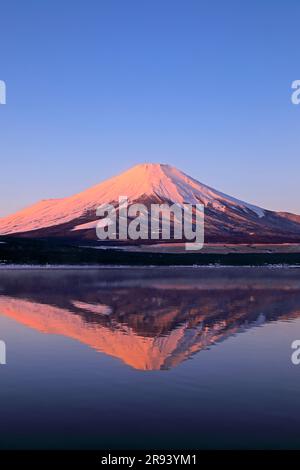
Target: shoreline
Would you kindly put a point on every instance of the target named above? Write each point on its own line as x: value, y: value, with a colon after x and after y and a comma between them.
x: 21, y: 267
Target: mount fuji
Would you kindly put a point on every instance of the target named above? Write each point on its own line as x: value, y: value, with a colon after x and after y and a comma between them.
x: 227, y: 219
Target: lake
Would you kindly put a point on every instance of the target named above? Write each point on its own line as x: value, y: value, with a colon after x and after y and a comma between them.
x: 128, y: 358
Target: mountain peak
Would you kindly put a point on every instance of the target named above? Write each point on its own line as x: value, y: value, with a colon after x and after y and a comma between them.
x: 148, y: 170
x: 225, y: 216
x: 150, y: 165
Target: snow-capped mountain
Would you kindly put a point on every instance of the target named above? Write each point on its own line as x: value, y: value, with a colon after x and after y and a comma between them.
x: 227, y: 219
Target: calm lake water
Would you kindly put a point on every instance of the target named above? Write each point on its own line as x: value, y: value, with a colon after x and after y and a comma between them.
x: 150, y: 358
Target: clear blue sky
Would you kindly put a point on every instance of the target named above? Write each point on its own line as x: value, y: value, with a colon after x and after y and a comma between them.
x: 94, y: 87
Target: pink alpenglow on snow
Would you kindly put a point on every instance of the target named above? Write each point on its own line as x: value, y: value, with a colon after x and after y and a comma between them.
x: 226, y: 218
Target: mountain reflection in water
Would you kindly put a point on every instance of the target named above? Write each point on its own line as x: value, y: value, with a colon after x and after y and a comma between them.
x: 150, y: 319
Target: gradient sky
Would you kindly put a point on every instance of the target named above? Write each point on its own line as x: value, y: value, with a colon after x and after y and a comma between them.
x: 94, y: 87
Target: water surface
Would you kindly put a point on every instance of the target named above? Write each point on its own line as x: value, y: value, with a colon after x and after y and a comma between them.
x: 150, y: 358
